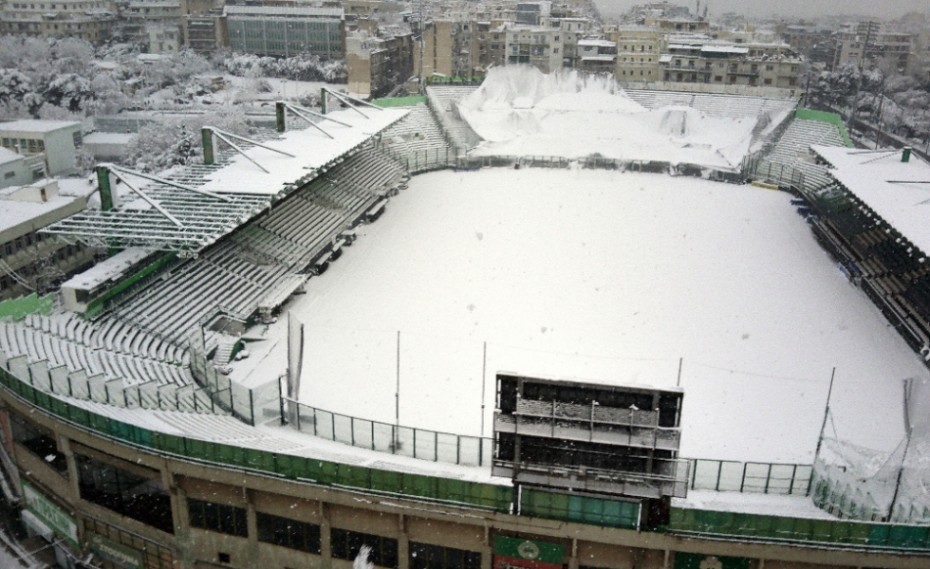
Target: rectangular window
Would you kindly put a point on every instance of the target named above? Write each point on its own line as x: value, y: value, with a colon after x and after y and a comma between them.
x: 425, y: 556
x: 217, y: 517
x: 125, y: 490
x: 346, y: 545
x: 289, y: 533
x: 39, y: 442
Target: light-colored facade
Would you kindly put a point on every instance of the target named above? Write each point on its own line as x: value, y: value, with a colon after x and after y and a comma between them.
x: 869, y: 43
x: 31, y: 260
x: 596, y: 55
x: 376, y: 66
x: 89, y: 20
x: 540, y: 47
x: 156, y: 24
x: 698, y: 59
x: 57, y: 140
x: 203, y: 26
x: 638, y: 51
x: 14, y: 169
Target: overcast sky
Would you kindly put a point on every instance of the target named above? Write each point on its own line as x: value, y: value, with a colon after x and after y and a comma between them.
x: 803, y: 8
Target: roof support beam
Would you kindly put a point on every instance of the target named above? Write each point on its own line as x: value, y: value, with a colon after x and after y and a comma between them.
x: 127, y: 171
x: 308, y: 120
x: 348, y: 100
x: 311, y: 112
x: 147, y: 199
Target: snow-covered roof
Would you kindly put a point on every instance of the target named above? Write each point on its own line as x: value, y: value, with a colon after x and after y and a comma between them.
x: 36, y: 126
x: 241, y: 188
x: 716, y: 48
x: 897, y: 191
x: 596, y: 43
x: 108, y: 269
x: 7, y: 156
x: 15, y: 212
x: 311, y: 149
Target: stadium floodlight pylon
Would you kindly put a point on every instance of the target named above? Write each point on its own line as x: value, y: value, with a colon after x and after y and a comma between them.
x: 228, y: 137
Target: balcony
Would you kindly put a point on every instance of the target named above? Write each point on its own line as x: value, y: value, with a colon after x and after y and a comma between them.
x: 589, y: 423
x: 671, y: 481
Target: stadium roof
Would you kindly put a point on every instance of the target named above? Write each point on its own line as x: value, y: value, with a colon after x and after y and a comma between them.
x: 188, y: 210
x: 897, y: 191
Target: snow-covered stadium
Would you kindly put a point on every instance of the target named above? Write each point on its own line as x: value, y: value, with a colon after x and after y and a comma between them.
x: 540, y: 322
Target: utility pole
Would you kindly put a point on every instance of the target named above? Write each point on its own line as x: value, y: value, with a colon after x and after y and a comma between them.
x: 422, y: 48
x: 865, y: 48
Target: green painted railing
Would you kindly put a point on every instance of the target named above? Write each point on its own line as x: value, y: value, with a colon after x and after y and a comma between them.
x: 777, y: 528
x: 823, y: 116
x: 582, y: 509
x: 400, y: 101
x: 22, y: 306
x: 487, y: 496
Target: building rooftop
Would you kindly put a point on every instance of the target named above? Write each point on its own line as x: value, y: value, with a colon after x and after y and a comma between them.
x: 7, y: 156
x: 36, y: 126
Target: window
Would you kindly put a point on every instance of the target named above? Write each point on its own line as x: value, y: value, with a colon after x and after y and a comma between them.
x: 133, y: 491
x: 346, y: 545
x: 217, y: 517
x: 8, y: 175
x: 424, y: 556
x: 39, y: 442
x: 289, y: 533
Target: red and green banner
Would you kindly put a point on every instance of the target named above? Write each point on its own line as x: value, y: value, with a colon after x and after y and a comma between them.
x: 515, y: 552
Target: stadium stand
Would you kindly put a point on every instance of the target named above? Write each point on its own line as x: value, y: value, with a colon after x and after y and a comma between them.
x: 790, y: 160
x: 442, y: 101
x: 265, y: 254
x: 418, y: 141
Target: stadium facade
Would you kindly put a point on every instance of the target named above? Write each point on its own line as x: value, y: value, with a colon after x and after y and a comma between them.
x: 127, y: 445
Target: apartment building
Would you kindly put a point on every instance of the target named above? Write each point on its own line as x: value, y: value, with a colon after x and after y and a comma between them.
x: 699, y: 59
x: 89, y: 20
x: 638, y: 52
x: 376, y: 66
x: 872, y: 42
x: 540, y: 47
